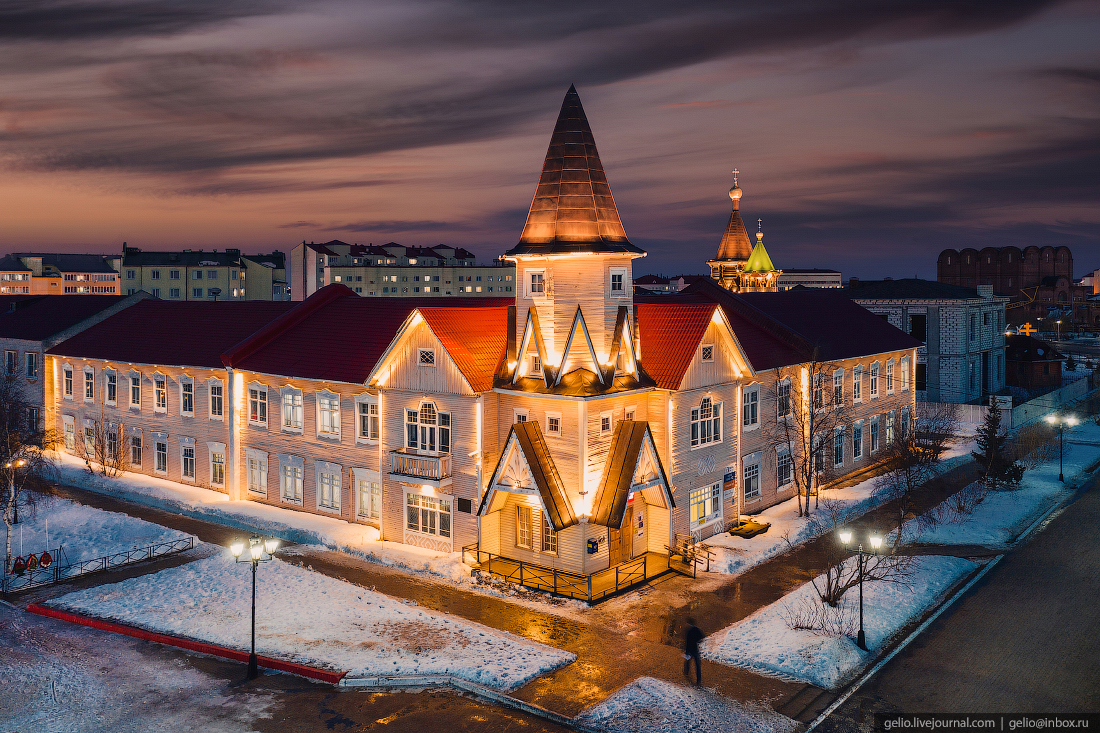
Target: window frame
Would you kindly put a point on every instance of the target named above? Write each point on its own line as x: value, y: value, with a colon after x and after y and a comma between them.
x: 781, y: 399
x: 905, y: 369
x: 258, y: 460
x: 134, y: 380
x: 89, y: 383
x: 297, y: 473
x: 187, y: 444
x: 67, y: 381
x: 706, y: 353
x: 750, y: 408
x: 857, y: 384
x: 607, y: 422
x: 187, y: 395
x: 890, y: 376
x: 214, y: 450
x: 624, y: 283
x: 160, y: 393
x: 110, y: 385
x: 160, y: 440
x: 136, y: 443
x: 30, y: 363
x: 556, y: 416
x: 425, y: 358
x: 705, y: 423
x: 330, y: 416
x: 529, y: 284
x: 290, y: 410
x: 373, y: 417
x: 525, y: 526
x: 430, y: 434
x: 421, y: 504
x: 68, y: 431
x: 257, y: 393
x: 213, y: 400
x: 373, y: 481
x: 710, y: 492
x: 838, y: 389
x: 872, y: 381
x: 857, y: 440
x: 783, y: 458
x: 839, y: 434
x: 11, y: 363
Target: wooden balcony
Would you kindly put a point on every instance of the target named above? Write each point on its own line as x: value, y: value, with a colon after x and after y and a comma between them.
x: 426, y: 470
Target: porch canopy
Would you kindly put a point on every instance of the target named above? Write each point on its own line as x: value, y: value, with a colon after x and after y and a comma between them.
x: 632, y: 466
x: 526, y: 467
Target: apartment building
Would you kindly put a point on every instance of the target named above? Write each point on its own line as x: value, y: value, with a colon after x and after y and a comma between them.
x: 36, y: 273
x: 203, y: 275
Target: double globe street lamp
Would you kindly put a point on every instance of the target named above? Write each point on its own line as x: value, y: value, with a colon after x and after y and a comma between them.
x: 876, y: 542
x: 257, y: 548
x: 1061, y: 422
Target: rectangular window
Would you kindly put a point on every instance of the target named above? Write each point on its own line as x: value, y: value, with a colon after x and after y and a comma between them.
x: 429, y: 515
x: 156, y: 292
x: 257, y: 474
x: 173, y: 292
x: 217, y: 469
x: 904, y: 374
x: 708, y: 352
x: 903, y: 425
x: 131, y: 274
x: 329, y: 407
x: 10, y: 363
x: 196, y: 275
x: 257, y: 406
x: 162, y: 456
x: 706, y: 503
x: 135, y: 450
x: 549, y: 536
x: 196, y: 292
x: 750, y: 404
x: 605, y: 422
x: 618, y: 282
x: 32, y: 364
x: 89, y: 385
x: 368, y: 421
x: 874, y: 380
x: 370, y: 499
x: 292, y: 410
x: 89, y: 440
x: 68, y: 377
x: 857, y: 384
x: 838, y: 447
x: 291, y: 483
x: 174, y: 275
x: 838, y: 389
x: 211, y: 274
x: 216, y: 404
x: 111, y: 436
x: 706, y: 422
x: 874, y: 433
x: 819, y: 391
x: 426, y: 357
x: 523, y: 526
x: 752, y: 481
x: 187, y: 397
x: 160, y: 390
x: 783, y: 399
x: 783, y: 475
x: 553, y: 424
x: 890, y: 377
x: 857, y: 441
x: 110, y: 382
x: 536, y: 285
x: 135, y: 390
x: 890, y: 427
x: 187, y: 461
x: 328, y: 490
x: 921, y: 376
x: 973, y: 326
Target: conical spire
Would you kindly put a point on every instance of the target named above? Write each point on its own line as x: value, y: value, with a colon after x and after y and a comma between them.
x: 759, y: 261
x: 735, y: 243
x: 573, y: 209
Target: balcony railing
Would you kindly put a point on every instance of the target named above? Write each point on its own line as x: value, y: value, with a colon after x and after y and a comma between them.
x: 425, y: 469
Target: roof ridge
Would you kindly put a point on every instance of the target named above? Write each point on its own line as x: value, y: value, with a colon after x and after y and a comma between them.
x: 292, y: 317
x: 773, y: 326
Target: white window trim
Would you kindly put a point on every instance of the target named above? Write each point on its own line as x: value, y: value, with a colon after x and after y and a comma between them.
x: 211, y: 450
x: 282, y: 410
x: 626, y: 282
x: 210, y: 399
x: 790, y: 398
x: 363, y: 474
x: 842, y: 430
x: 185, y: 379
x: 859, y: 425
x: 68, y: 420
x: 783, y: 450
x: 248, y: 404
x: 67, y: 368
x: 545, y: 284
x: 702, y: 353
x: 904, y: 372
x: 294, y: 462
x: 317, y: 395
x: 186, y: 442
x: 748, y: 460
x: 842, y: 374
x: 159, y: 438
x: 104, y: 372
x: 557, y: 415
x: 857, y: 376
x: 419, y: 358
x: 709, y: 519
x: 874, y: 375
x: 518, y: 412
x: 741, y: 412
x: 610, y: 423
x: 160, y: 410
x: 368, y: 399
x: 631, y: 413
x: 332, y: 469
x: 84, y: 384
x: 141, y: 390
x: 890, y: 386
x: 251, y: 454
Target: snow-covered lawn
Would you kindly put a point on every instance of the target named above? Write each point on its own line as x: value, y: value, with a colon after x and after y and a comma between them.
x: 309, y: 618
x: 763, y: 642
x: 1003, y: 515
x: 648, y: 704
x: 736, y: 554
x: 85, y: 532
x: 293, y: 526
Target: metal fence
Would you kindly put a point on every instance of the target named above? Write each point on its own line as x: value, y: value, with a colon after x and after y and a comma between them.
x: 59, y: 571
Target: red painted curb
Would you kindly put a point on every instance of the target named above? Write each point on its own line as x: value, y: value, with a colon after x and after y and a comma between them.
x: 195, y: 646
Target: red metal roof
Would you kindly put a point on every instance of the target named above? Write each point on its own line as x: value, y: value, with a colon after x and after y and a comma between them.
x: 51, y: 314
x: 670, y: 330
x: 189, y: 333
x: 476, y: 338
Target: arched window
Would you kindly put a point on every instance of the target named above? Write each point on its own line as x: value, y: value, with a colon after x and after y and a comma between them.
x: 427, y: 429
x: 706, y: 421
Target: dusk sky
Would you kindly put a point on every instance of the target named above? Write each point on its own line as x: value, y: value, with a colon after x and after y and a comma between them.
x: 869, y: 135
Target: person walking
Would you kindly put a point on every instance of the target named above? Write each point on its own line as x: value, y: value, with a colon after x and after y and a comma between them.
x: 692, y: 637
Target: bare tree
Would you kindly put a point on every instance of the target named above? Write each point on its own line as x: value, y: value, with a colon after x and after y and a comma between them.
x: 1034, y: 444
x: 808, y: 414
x: 25, y: 468
x: 103, y: 447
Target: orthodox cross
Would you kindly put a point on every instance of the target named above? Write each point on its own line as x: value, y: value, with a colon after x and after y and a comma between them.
x: 735, y: 172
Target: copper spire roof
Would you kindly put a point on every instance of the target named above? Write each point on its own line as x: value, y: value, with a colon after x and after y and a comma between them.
x: 735, y: 243
x: 573, y: 209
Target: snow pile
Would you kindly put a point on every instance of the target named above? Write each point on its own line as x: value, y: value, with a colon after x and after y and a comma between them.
x: 763, y: 642
x: 85, y: 532
x: 293, y: 526
x: 309, y: 618
x: 647, y: 704
x: 1003, y: 515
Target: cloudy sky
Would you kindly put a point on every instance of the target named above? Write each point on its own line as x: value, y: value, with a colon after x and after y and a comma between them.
x: 869, y: 135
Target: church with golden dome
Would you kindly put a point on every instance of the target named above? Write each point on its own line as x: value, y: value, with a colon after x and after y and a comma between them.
x: 738, y: 266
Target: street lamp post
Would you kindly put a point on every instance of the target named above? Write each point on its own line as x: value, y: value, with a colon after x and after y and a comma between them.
x: 11, y: 488
x: 1061, y: 422
x: 876, y: 542
x: 257, y: 548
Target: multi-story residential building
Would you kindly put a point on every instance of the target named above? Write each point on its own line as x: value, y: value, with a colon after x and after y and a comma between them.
x: 811, y: 278
x: 201, y: 275
x: 568, y: 426
x: 394, y: 270
x: 31, y: 326
x: 963, y: 330
x: 36, y: 273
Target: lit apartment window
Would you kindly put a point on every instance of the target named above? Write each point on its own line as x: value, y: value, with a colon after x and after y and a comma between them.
x: 292, y: 410
x: 216, y: 399
x: 429, y: 515
x: 328, y: 408
x: 187, y: 396
x: 31, y: 364
x: 291, y: 483
x: 706, y: 503
x: 874, y: 380
x: 257, y: 405
x: 89, y: 384
x: 160, y: 393
x: 217, y: 469
x: 369, y: 500
x: 368, y: 420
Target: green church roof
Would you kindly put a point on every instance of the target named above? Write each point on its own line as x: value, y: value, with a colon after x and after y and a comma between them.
x: 759, y: 261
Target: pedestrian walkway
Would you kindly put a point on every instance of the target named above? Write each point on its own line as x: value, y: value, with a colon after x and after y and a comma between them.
x: 640, y: 633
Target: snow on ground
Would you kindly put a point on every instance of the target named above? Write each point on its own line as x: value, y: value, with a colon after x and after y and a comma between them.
x: 648, y: 704
x: 309, y: 618
x: 736, y: 554
x: 763, y: 642
x: 293, y: 526
x: 61, y: 678
x: 84, y: 532
x: 1003, y: 515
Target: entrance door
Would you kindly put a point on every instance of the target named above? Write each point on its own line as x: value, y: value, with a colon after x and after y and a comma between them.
x: 619, y: 540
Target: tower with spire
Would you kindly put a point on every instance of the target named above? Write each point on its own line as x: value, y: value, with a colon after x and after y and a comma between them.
x: 738, y: 265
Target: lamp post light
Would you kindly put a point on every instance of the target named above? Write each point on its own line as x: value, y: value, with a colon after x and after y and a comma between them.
x: 876, y: 542
x: 257, y: 548
x: 1061, y: 422
x: 11, y: 488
